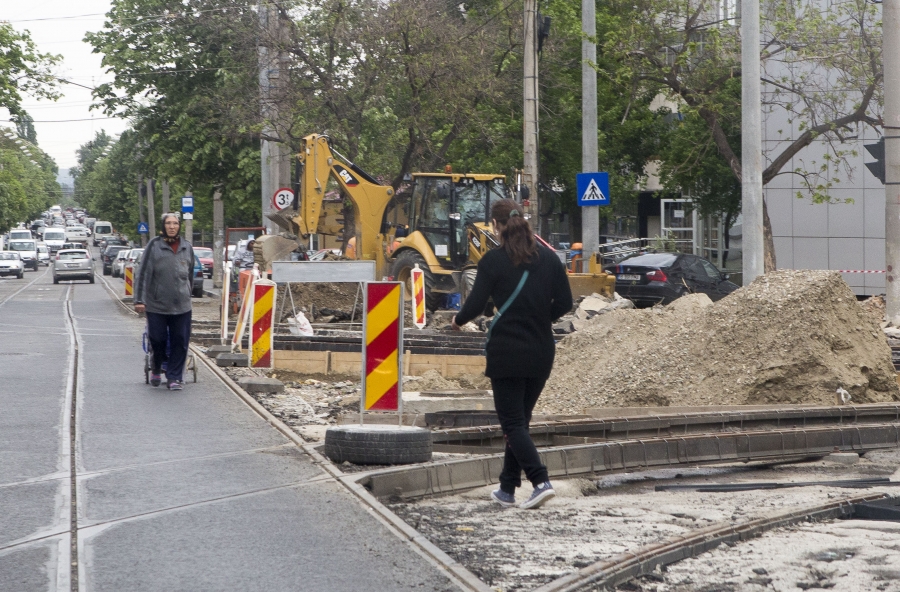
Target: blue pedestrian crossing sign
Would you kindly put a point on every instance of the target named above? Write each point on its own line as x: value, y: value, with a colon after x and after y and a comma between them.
x: 593, y: 189
x: 143, y: 228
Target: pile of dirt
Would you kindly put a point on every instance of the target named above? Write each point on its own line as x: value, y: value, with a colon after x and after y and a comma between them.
x: 321, y: 303
x: 790, y: 337
x: 431, y: 380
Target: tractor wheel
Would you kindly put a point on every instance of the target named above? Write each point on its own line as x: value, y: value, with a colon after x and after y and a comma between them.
x: 466, y: 284
x: 401, y: 268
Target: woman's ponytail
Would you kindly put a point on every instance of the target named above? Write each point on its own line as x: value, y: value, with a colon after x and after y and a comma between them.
x: 515, y: 231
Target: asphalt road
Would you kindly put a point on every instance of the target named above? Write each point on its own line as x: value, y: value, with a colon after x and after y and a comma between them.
x: 173, y: 491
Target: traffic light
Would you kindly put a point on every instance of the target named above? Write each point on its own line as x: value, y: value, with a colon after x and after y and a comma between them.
x: 877, y: 167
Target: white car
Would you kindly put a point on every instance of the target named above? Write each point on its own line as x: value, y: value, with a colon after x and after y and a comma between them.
x: 77, y: 234
x: 118, y: 264
x: 11, y: 264
x: 43, y: 252
x: 55, y: 238
x: 27, y: 249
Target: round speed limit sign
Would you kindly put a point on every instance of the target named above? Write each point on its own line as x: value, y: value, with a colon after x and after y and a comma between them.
x: 283, y: 198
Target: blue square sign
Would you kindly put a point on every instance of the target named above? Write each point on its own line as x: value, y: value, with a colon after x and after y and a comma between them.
x: 592, y: 189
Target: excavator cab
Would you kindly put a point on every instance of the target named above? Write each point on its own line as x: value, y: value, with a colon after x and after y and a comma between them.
x: 444, y: 205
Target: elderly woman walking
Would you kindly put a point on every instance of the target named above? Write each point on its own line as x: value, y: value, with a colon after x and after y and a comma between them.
x: 163, y: 287
x: 529, y: 285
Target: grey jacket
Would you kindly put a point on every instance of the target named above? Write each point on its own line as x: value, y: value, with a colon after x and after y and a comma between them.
x: 164, y: 279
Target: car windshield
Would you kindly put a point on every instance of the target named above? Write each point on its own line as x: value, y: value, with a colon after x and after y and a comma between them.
x: 203, y: 252
x: 55, y: 235
x: 7, y: 256
x: 21, y: 246
x: 73, y: 255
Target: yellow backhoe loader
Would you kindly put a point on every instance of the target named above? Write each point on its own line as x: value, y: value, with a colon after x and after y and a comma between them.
x: 442, y: 226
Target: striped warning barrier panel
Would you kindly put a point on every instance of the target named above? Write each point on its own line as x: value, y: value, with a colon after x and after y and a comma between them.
x: 418, y: 288
x: 129, y: 281
x: 860, y: 270
x: 382, y: 347
x: 262, y: 338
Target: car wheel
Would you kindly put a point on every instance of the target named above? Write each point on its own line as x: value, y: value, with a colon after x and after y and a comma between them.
x: 91, y: 279
x: 21, y: 274
x: 55, y: 280
x: 106, y: 271
x: 401, y: 269
x: 198, y: 292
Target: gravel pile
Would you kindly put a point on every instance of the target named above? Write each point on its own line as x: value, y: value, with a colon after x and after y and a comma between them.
x: 790, y: 337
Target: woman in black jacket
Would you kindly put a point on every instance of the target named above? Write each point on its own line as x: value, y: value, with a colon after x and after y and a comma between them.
x: 520, y: 347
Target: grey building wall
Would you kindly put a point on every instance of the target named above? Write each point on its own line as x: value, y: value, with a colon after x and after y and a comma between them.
x: 840, y: 236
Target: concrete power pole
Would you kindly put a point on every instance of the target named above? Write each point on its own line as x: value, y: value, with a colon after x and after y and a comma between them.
x: 151, y: 207
x: 753, y: 244
x: 275, y: 156
x: 141, y: 217
x: 891, y: 62
x: 189, y: 223
x: 166, y: 207
x: 219, y: 234
x: 530, y: 111
x: 590, y: 215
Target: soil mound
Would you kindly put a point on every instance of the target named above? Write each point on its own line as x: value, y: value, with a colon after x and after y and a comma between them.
x: 789, y: 337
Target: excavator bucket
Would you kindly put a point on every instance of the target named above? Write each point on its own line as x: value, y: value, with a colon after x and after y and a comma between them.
x: 287, y: 219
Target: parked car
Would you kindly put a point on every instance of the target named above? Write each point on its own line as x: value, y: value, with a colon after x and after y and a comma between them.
x: 118, y: 264
x: 197, y: 291
x: 43, y: 253
x: 107, y: 256
x: 206, y: 258
x: 11, y: 264
x: 659, y: 278
x: 27, y: 250
x: 112, y: 240
x: 73, y: 264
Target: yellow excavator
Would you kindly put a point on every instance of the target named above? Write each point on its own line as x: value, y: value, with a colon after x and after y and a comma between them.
x: 442, y: 226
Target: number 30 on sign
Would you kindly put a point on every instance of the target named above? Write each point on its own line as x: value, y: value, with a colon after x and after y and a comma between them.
x: 283, y: 198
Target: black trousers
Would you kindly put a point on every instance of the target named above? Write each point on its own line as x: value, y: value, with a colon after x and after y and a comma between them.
x: 169, y: 338
x: 514, y: 399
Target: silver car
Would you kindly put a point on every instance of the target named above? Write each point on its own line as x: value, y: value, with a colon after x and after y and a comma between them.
x: 118, y: 265
x: 11, y: 264
x: 73, y: 264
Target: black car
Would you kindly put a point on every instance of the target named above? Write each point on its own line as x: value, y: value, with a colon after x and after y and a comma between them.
x: 107, y: 256
x: 660, y: 278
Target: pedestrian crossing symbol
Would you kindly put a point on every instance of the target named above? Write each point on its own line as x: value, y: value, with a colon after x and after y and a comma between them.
x: 593, y: 189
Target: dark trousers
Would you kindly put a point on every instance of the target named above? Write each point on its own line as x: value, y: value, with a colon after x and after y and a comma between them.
x: 514, y: 399
x: 169, y: 338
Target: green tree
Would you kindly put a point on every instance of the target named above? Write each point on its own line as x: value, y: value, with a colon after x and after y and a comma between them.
x: 24, y: 70
x: 821, y: 67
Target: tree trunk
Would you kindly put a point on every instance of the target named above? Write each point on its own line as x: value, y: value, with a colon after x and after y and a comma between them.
x: 768, y: 242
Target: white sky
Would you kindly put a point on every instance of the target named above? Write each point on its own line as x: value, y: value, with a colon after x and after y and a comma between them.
x: 59, y: 33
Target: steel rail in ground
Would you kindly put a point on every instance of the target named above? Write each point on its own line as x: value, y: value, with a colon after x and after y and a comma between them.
x: 621, y: 568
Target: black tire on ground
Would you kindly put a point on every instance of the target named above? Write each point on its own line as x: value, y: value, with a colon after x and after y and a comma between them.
x: 91, y: 279
x: 197, y: 292
x: 400, y: 269
x: 21, y: 274
x: 466, y: 283
x: 106, y: 271
x: 55, y: 280
x: 378, y: 444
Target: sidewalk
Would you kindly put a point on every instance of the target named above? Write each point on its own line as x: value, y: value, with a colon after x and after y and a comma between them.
x: 193, y: 491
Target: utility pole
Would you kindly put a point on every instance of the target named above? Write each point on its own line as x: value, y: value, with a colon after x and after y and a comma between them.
x: 219, y: 236
x: 890, y: 12
x: 530, y: 111
x: 141, y: 217
x: 151, y: 208
x: 275, y: 155
x: 590, y: 215
x: 189, y: 222
x: 166, y: 207
x: 753, y: 244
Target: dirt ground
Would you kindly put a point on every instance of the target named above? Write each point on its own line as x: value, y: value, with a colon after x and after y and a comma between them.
x: 789, y: 337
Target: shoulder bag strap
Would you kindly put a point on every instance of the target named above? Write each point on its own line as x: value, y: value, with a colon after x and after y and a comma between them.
x: 506, y: 305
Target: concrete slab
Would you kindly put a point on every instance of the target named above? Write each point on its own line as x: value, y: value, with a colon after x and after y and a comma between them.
x: 26, y: 569
x: 261, y: 384
x: 214, y: 351
x: 239, y: 360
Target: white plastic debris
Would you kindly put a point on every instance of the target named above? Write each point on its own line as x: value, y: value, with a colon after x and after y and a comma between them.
x: 843, y: 395
x: 300, y: 325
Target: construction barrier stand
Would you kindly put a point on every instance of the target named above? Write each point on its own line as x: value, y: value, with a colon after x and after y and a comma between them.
x: 129, y: 281
x: 418, y: 289
x: 262, y: 340
x: 382, y: 347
